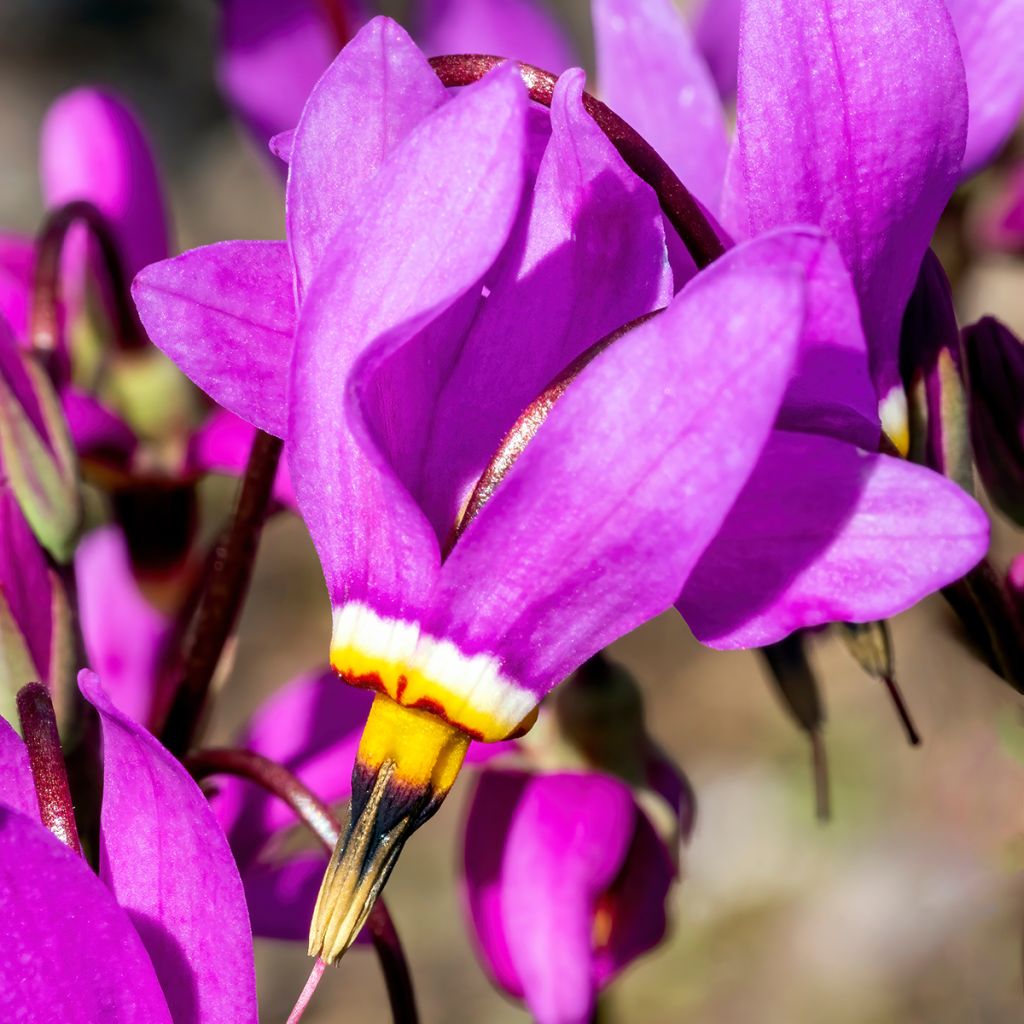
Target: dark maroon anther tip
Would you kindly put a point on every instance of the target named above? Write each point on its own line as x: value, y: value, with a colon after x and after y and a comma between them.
x: 46, y: 284
x: 683, y: 211
x: 39, y: 729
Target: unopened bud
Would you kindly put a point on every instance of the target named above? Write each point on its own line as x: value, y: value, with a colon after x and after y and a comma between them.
x: 995, y: 364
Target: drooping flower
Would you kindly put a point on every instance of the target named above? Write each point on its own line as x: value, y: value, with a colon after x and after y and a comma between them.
x: 161, y: 936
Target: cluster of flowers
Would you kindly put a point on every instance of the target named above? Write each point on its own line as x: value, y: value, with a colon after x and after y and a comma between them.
x: 533, y: 384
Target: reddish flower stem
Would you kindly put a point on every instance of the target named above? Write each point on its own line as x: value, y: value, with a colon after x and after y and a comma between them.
x: 682, y: 210
x: 317, y: 816
x: 221, y: 601
x: 44, y: 327
x: 307, y: 992
x: 39, y: 728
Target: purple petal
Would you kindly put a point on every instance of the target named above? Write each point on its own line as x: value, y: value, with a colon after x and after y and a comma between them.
x: 596, y: 525
x: 92, y: 147
x: 377, y: 90
x: 991, y: 34
x: 393, y: 267
x: 853, y: 118
x: 271, y: 55
x: 225, y: 314
x: 97, y: 433
x: 588, y: 255
x: 521, y: 29
x: 825, y: 532
x: 168, y: 864
x: 652, y: 74
x: 539, y: 852
x: 69, y: 952
x: 125, y: 636
x: 17, y: 790
x: 281, y: 897
x: 14, y: 377
x: 717, y: 31
x: 222, y: 445
x: 17, y: 258
x: 1001, y: 224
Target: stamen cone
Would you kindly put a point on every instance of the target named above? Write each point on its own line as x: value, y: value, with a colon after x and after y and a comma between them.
x: 407, y: 762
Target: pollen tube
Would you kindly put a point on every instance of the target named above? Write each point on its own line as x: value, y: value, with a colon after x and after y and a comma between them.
x: 407, y: 762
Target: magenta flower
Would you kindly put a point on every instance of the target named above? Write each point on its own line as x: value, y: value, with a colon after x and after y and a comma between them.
x: 161, y: 936
x: 376, y: 342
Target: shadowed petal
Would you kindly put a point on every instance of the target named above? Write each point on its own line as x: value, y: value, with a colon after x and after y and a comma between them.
x: 69, y: 952
x: 652, y: 74
x: 377, y: 90
x: 825, y: 532
x: 991, y: 34
x: 539, y: 851
x: 168, y: 864
x: 426, y: 230
x: 612, y: 502
x: 95, y: 431
x: 521, y: 29
x: 717, y: 31
x: 281, y: 897
x: 854, y: 118
x: 17, y: 790
x: 225, y: 314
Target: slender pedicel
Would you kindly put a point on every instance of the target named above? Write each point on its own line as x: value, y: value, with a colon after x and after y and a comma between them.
x: 39, y: 728
x: 307, y: 992
x: 682, y: 210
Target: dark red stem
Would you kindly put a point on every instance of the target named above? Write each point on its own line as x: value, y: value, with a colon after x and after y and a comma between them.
x: 317, y: 816
x: 337, y: 21
x: 39, y: 729
x: 44, y: 327
x: 221, y: 601
x: 682, y: 210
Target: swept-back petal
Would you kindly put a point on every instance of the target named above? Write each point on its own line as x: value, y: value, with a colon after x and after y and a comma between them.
x: 612, y: 502
x: 991, y: 34
x: 17, y: 790
x: 95, y: 431
x: 716, y: 28
x: 651, y: 73
x: 425, y: 231
x: 539, y: 852
x: 521, y: 29
x: 587, y: 256
x: 854, y: 118
x: 376, y: 91
x: 92, y: 147
x: 225, y: 314
x: 17, y: 257
x: 70, y: 953
x: 168, y: 864
x: 825, y: 532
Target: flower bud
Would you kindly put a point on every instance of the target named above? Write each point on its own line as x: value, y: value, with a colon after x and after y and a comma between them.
x: 995, y: 364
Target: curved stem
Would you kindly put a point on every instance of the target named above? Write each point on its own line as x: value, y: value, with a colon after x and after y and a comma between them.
x: 46, y: 282
x: 230, y: 573
x: 314, y: 813
x: 683, y: 211
x: 39, y: 727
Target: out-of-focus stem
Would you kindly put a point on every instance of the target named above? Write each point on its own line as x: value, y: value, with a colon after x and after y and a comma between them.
x: 317, y: 816
x: 682, y: 210
x: 39, y: 729
x: 228, y: 580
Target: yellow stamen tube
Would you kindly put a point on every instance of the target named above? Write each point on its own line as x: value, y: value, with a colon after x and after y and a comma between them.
x: 407, y: 762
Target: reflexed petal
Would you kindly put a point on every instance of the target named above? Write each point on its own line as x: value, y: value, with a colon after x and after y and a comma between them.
x: 601, y: 518
x: 825, y: 532
x: 95, y: 431
x: 853, y: 118
x: 539, y: 851
x: 17, y: 790
x: 377, y: 90
x: 225, y: 314
x: 93, y: 148
x: 991, y: 34
x: 651, y: 74
x: 281, y: 897
x: 588, y: 255
x: 124, y: 634
x: 69, y: 953
x: 426, y: 230
x: 521, y: 29
x: 222, y: 445
x: 17, y: 257
x: 272, y: 54
x: 168, y: 864
x: 717, y: 31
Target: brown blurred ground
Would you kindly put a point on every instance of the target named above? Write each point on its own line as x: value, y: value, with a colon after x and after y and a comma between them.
x: 908, y: 908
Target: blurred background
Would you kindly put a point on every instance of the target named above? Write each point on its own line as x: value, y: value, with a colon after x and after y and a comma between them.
x: 907, y: 907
